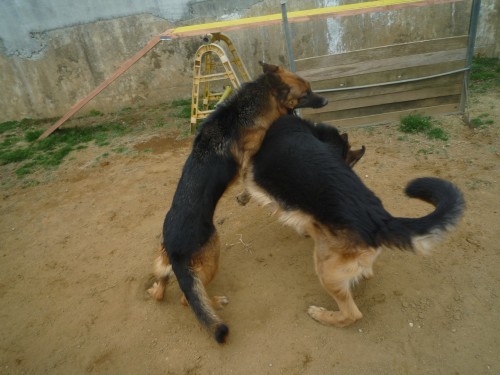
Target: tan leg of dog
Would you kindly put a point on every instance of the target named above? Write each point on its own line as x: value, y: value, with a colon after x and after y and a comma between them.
x: 205, y: 265
x: 162, y: 270
x: 336, y: 271
x: 335, y: 275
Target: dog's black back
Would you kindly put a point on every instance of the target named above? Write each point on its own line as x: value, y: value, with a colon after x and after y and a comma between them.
x: 303, y: 167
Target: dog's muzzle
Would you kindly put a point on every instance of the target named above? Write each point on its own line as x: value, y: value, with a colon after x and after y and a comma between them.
x: 312, y: 100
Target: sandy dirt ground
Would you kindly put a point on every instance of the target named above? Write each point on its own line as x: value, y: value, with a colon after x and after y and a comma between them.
x: 76, y: 257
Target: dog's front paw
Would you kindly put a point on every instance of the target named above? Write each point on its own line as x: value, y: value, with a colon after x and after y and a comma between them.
x: 157, y: 291
x: 316, y: 313
x: 333, y: 318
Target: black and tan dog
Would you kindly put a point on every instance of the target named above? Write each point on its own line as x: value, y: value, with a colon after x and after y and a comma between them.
x: 226, y: 141
x: 329, y: 137
x: 315, y: 191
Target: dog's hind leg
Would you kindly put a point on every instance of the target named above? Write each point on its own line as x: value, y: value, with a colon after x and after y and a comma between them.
x: 162, y: 269
x: 336, y: 273
x: 205, y: 266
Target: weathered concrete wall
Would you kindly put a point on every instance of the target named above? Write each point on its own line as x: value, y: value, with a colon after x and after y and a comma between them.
x: 81, y: 57
x: 488, y: 37
x: 56, y: 52
x: 25, y: 24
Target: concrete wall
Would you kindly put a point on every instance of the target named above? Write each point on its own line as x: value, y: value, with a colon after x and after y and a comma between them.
x: 54, y: 52
x: 25, y: 24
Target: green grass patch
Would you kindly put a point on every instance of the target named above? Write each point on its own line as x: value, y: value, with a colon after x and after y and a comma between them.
x: 183, y: 108
x: 476, y: 122
x: 8, y: 126
x: 124, y: 111
x: 15, y: 156
x: 25, y: 170
x: 416, y: 123
x: 437, y: 133
x: 485, y: 74
x: 22, y: 125
x: 10, y: 139
x: 482, y: 121
x: 95, y: 113
x: 32, y: 135
x: 20, y: 145
x: 181, y: 103
x: 184, y: 112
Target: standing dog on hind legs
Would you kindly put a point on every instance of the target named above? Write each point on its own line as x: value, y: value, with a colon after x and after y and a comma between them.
x: 317, y: 192
x: 226, y: 141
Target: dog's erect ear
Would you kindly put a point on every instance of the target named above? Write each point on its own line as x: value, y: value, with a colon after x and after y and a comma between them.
x: 345, y: 137
x: 346, y: 147
x: 269, y: 68
x: 353, y: 157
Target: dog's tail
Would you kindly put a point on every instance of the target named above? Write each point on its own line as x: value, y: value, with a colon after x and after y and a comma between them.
x: 420, y: 234
x: 198, y: 299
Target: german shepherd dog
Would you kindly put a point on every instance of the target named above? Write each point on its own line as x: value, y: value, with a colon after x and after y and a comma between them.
x: 328, y: 135
x: 225, y: 142
x: 314, y: 190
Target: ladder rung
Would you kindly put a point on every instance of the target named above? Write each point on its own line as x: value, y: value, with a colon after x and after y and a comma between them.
x: 213, y: 77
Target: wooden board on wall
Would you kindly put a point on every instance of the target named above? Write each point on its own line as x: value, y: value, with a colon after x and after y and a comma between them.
x: 359, y: 113
x: 384, y: 118
x: 381, y: 69
x: 381, y: 53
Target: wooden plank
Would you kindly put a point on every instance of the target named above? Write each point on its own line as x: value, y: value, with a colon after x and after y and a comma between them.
x: 118, y: 72
x: 383, y: 52
x: 300, y: 16
x: 388, y: 76
x: 340, y: 100
x: 387, y: 64
x: 380, y: 109
x: 446, y: 80
x: 385, y: 118
x: 405, y: 96
x: 375, y: 66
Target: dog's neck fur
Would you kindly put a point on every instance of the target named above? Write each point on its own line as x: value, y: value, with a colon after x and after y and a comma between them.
x: 252, y: 133
x: 252, y: 136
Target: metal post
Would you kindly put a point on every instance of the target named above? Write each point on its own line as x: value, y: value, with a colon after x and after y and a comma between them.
x: 474, y: 19
x: 288, y: 36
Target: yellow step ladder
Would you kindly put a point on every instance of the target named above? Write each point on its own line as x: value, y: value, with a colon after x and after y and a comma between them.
x: 212, y: 64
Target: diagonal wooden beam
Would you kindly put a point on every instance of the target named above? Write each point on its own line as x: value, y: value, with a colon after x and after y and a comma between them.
x: 125, y: 66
